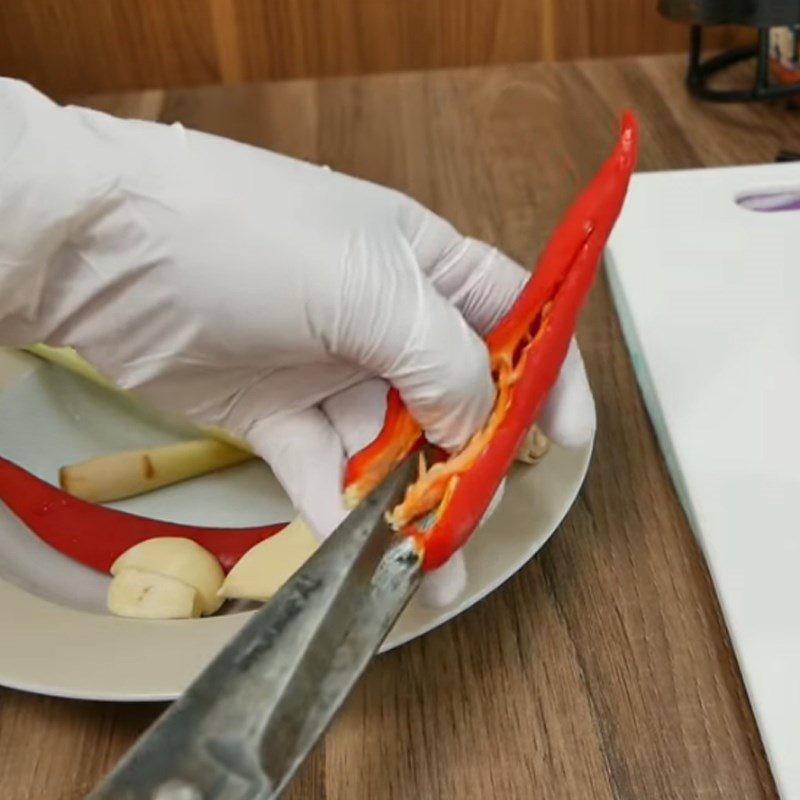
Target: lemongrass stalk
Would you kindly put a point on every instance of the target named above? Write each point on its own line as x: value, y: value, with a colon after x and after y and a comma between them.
x: 133, y: 472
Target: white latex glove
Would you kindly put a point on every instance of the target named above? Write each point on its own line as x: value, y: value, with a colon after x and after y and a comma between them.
x: 251, y: 291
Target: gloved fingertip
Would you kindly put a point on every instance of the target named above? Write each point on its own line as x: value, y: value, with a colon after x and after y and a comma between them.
x: 569, y: 417
x: 444, y: 585
x: 574, y: 433
x: 455, y: 401
x: 306, y: 456
x: 357, y: 413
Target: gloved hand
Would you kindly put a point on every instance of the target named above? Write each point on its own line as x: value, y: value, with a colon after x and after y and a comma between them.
x: 252, y: 292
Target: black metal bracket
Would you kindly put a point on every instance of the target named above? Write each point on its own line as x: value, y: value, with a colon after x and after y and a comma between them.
x: 700, y: 71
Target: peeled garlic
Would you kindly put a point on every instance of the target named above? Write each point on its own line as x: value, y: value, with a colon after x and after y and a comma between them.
x: 181, y: 559
x: 265, y: 567
x: 534, y: 446
x: 148, y: 595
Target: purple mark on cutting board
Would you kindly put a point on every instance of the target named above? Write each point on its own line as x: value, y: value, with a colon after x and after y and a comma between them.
x: 771, y: 201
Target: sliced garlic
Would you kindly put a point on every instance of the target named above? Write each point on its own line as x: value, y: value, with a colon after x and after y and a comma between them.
x: 148, y: 595
x: 265, y: 567
x: 179, y: 558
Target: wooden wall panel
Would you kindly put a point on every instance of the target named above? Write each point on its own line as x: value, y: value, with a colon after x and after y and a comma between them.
x: 78, y: 46
x: 354, y: 36
x: 95, y: 45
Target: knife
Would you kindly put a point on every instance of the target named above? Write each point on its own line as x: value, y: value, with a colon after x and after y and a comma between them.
x: 242, y: 729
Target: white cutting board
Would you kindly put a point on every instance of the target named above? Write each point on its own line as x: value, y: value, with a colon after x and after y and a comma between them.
x: 709, y: 297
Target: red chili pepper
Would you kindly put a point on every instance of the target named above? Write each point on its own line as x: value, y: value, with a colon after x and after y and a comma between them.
x: 398, y: 437
x: 527, y: 348
x: 96, y: 536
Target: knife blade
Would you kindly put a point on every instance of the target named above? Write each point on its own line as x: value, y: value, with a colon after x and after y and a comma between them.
x: 244, y: 726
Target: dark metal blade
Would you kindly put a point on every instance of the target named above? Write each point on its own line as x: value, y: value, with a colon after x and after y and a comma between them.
x: 242, y: 729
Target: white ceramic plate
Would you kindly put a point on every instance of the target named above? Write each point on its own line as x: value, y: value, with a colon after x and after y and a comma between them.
x: 57, y: 636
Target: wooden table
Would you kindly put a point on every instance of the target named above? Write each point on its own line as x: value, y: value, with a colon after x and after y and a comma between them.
x: 603, y: 669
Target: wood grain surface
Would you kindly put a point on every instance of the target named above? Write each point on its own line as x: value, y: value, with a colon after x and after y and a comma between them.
x: 603, y: 668
x: 111, y: 45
